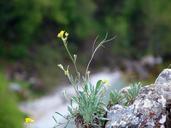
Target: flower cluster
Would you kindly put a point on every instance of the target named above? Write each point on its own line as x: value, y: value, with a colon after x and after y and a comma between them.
x: 63, y: 35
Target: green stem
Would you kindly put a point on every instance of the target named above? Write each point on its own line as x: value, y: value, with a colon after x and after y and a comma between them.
x: 72, y: 59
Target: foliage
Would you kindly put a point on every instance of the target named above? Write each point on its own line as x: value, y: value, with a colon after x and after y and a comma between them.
x: 133, y: 92
x: 10, y: 115
x: 22, y: 22
x: 115, y: 97
x: 88, y: 109
x: 90, y: 103
x: 127, y: 98
x: 142, y: 27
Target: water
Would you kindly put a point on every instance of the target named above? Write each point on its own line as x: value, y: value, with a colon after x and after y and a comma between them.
x: 42, y: 110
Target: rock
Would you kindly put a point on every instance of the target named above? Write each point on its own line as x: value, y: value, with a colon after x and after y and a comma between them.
x: 15, y: 87
x: 163, y: 83
x: 136, y: 67
x: 164, y: 77
x: 124, y: 90
x: 121, y: 117
x: 150, y: 60
x: 36, y: 84
x: 147, y: 111
x: 163, y: 87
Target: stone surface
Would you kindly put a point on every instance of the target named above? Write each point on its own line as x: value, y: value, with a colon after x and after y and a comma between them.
x: 164, y: 77
x: 163, y: 87
x: 147, y: 111
x: 163, y: 83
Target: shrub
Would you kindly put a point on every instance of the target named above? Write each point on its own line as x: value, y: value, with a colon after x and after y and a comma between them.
x: 10, y: 116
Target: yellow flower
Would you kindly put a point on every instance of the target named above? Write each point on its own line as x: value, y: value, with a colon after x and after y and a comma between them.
x: 106, y: 82
x: 28, y: 120
x: 61, y: 34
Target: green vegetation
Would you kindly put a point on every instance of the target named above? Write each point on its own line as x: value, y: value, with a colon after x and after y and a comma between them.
x: 28, y: 36
x: 28, y: 32
x: 125, y: 98
x: 87, y: 107
x: 10, y: 117
x: 132, y: 93
x: 116, y: 97
x: 142, y: 27
x: 90, y: 105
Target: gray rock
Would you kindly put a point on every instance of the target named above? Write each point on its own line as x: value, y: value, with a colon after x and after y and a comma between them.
x: 147, y: 111
x: 163, y: 87
x: 15, y: 87
x: 163, y: 83
x: 151, y: 60
x: 121, y: 117
x: 164, y: 77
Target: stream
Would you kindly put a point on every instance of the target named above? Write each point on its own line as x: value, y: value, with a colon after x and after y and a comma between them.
x: 43, y: 109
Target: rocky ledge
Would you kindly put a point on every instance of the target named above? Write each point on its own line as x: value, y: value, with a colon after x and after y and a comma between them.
x: 151, y: 108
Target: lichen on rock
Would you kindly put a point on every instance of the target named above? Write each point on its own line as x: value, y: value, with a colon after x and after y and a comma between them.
x: 163, y: 87
x: 163, y: 83
x: 147, y: 111
x: 150, y: 109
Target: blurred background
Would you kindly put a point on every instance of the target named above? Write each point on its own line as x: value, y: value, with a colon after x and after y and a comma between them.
x: 30, y: 50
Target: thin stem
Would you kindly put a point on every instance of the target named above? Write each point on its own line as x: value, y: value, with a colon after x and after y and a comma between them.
x: 71, y: 57
x: 94, y: 43
x: 74, y: 84
x: 75, y: 66
x: 95, y: 50
x: 61, y: 115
